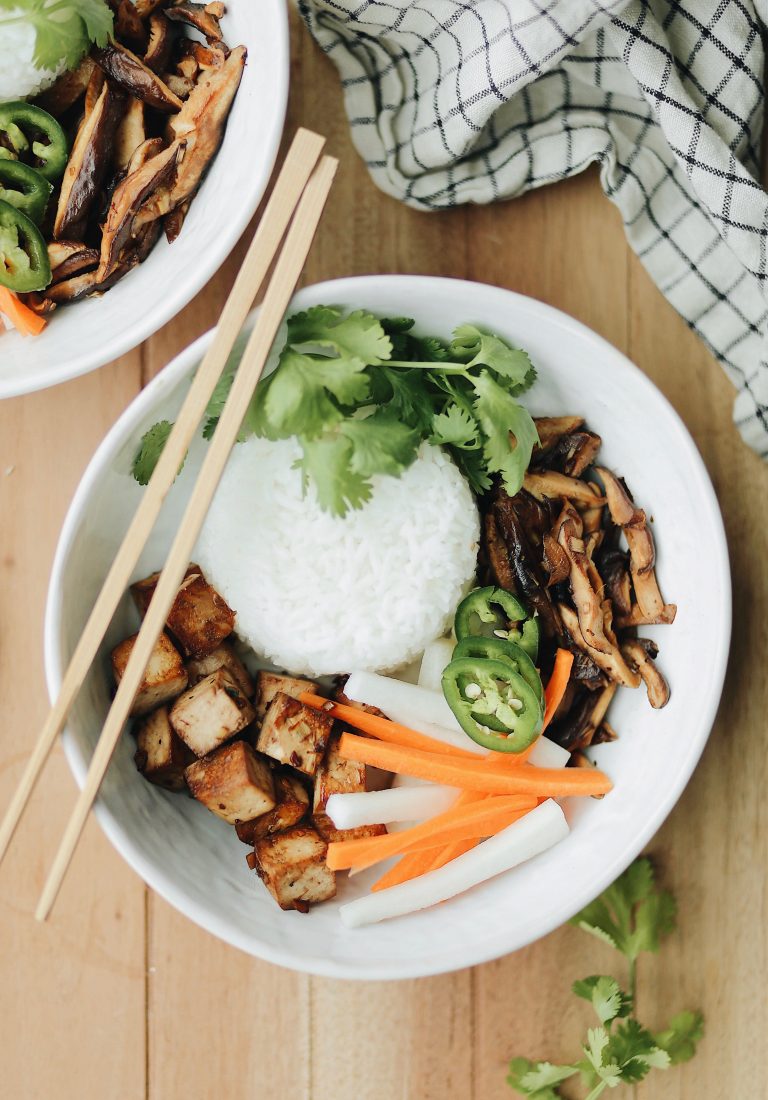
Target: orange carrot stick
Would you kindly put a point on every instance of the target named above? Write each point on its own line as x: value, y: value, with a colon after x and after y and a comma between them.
x: 558, y: 682
x: 382, y: 728
x: 407, y: 867
x: 453, y: 851
x: 24, y: 319
x: 478, y: 819
x: 476, y: 774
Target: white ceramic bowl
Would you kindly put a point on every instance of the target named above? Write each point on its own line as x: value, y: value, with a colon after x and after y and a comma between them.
x: 195, y: 860
x: 87, y: 334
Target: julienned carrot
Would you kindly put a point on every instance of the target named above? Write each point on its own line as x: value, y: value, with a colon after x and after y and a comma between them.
x: 479, y: 819
x: 24, y: 319
x: 407, y: 867
x: 453, y: 851
x: 382, y: 728
x: 475, y: 774
x: 558, y: 682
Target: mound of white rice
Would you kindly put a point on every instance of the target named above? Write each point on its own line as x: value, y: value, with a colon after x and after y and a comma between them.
x: 316, y: 594
x: 19, y: 75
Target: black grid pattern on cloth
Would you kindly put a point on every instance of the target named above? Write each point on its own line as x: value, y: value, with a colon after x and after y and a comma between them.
x: 454, y: 101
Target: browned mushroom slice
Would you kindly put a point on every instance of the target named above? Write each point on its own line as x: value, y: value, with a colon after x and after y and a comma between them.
x: 555, y: 561
x: 592, y: 515
x: 497, y: 554
x: 642, y: 552
x: 129, y: 195
x: 200, y: 124
x: 611, y: 663
x: 173, y: 222
x: 216, y: 8
x: 553, y: 428
x: 131, y: 133
x: 641, y: 654
x: 70, y: 258
x: 188, y: 67
x: 94, y: 89
x: 67, y: 89
x: 614, y: 569
x: 129, y: 26
x: 206, y: 57
x: 145, y: 8
x: 578, y: 726
x: 158, y: 52
x: 179, y: 85
x: 550, y: 485
x: 127, y: 70
x: 527, y: 571
x: 80, y: 286
x: 88, y: 163
x: 143, y: 153
x: 605, y: 733
x: 197, y: 16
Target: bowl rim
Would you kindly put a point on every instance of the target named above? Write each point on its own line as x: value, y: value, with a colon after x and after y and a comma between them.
x: 176, y: 297
x: 477, y: 952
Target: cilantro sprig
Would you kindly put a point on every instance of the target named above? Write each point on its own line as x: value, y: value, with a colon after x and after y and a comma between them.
x: 361, y: 393
x: 632, y: 916
x: 64, y: 29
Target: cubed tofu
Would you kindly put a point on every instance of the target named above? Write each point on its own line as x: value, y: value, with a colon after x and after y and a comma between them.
x: 294, y: 734
x: 233, y: 783
x: 269, y: 683
x: 164, y: 677
x: 161, y: 756
x: 199, y: 619
x: 223, y: 656
x: 336, y: 775
x: 211, y: 712
x: 292, y: 805
x: 292, y: 867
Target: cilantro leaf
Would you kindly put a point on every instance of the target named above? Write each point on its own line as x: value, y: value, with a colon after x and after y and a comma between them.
x: 408, y: 398
x: 537, y: 1079
x: 326, y: 463
x: 499, y: 415
x: 595, y: 1050
x: 381, y: 444
x: 150, y: 449
x: 605, y: 995
x: 630, y: 915
x: 297, y: 400
x: 392, y: 325
x: 472, y: 465
x: 681, y: 1036
x: 633, y: 1048
x: 64, y: 29
x: 358, y: 338
x: 476, y: 348
x: 455, y: 426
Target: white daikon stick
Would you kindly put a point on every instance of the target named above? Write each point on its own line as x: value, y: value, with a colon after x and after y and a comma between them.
x: 436, y: 657
x: 546, y: 754
x: 394, y: 696
x: 538, y: 830
x: 458, y: 740
x: 347, y: 811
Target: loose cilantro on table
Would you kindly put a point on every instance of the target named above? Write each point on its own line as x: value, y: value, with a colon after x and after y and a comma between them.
x: 632, y: 916
x: 361, y: 393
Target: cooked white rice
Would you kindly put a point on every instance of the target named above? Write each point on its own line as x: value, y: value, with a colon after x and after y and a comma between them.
x: 19, y: 76
x: 316, y: 594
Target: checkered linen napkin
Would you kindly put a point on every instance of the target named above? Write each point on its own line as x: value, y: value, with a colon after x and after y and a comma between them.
x: 454, y: 101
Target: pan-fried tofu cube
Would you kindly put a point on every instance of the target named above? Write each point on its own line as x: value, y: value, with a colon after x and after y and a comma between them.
x: 292, y: 805
x: 269, y: 683
x: 221, y: 657
x: 199, y: 619
x: 211, y: 712
x: 336, y: 775
x: 161, y: 756
x: 164, y: 677
x: 294, y: 734
x: 233, y: 783
x: 292, y: 867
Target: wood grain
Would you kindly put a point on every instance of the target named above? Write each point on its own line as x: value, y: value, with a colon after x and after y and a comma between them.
x: 220, y: 1024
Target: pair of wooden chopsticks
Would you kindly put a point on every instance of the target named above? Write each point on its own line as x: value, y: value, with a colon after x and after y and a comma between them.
x: 295, y: 206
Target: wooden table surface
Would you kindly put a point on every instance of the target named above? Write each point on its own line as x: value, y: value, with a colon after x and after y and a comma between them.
x: 119, y: 997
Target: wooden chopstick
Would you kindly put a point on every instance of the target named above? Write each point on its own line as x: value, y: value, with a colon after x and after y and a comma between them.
x: 297, y: 167
x: 281, y: 287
